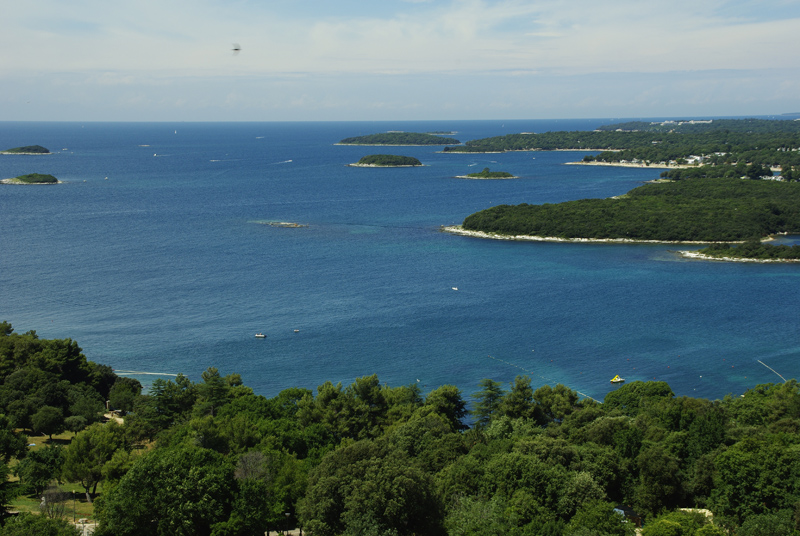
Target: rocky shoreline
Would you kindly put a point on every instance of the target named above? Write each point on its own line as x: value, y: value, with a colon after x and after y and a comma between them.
x: 17, y: 181
x: 702, y: 257
x: 458, y: 230
x: 687, y: 254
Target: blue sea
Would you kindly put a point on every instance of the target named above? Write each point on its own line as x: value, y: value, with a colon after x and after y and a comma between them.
x: 155, y: 256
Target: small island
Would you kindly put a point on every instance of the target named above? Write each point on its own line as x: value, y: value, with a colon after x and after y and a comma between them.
x: 689, y: 211
x: 486, y: 174
x: 32, y: 178
x: 387, y: 160
x: 399, y: 138
x: 28, y: 149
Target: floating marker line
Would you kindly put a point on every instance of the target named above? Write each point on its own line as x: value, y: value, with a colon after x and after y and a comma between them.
x: 544, y: 378
x: 772, y: 369
x: 138, y: 372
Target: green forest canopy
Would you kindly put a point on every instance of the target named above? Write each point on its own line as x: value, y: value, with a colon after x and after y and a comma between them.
x: 368, y: 458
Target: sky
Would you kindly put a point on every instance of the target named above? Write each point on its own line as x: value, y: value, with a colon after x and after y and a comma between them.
x: 322, y: 60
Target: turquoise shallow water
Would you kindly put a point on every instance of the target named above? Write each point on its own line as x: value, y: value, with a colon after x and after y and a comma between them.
x: 154, y: 257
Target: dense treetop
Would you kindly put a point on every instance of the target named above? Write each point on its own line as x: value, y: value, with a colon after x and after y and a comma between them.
x: 399, y: 138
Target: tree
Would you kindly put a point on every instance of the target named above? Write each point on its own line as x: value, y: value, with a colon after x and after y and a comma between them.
x: 660, y: 480
x: 598, y: 518
x: 123, y: 393
x: 48, y: 421
x: 556, y: 402
x: 487, y: 400
x: 88, y: 452
x: 447, y: 402
x: 176, y: 491
x: 12, y: 444
x: 519, y: 403
x: 369, y: 486
x: 39, y: 468
x: 772, y: 524
x: 676, y: 523
x: 634, y: 396
x: 54, y: 502
x: 28, y: 524
x: 75, y: 423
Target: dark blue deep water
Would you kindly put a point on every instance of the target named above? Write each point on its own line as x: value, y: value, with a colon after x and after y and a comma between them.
x: 154, y: 257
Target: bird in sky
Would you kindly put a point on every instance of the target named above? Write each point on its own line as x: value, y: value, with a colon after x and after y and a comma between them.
x: 236, y: 48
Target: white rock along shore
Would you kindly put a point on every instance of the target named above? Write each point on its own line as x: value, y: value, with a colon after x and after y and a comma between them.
x: 458, y: 230
x: 688, y: 254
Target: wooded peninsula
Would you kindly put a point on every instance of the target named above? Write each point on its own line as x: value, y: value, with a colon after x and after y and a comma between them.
x: 723, y: 195
x: 399, y: 138
x: 213, y: 458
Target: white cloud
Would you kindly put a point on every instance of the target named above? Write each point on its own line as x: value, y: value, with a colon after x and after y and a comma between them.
x: 311, y: 56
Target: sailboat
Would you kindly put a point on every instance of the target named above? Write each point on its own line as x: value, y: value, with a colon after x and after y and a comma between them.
x: 617, y: 379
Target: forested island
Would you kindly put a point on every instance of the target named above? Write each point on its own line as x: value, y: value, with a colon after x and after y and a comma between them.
x: 28, y: 149
x: 387, y: 160
x: 699, y: 210
x: 214, y: 458
x: 399, y: 138
x: 487, y: 174
x: 32, y: 178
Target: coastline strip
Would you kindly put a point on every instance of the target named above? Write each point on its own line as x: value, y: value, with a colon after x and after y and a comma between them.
x: 653, y: 165
x: 688, y: 254
x: 702, y: 257
x: 459, y: 230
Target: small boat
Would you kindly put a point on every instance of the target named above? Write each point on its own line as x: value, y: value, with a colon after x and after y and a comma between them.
x: 260, y: 335
x: 617, y: 379
x: 297, y: 331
